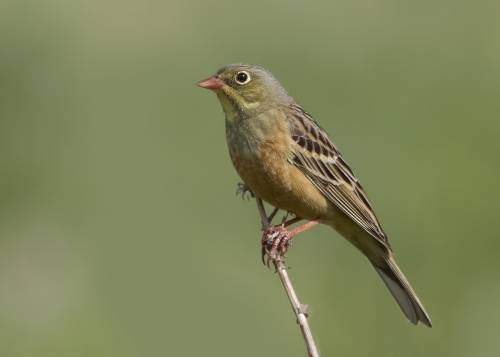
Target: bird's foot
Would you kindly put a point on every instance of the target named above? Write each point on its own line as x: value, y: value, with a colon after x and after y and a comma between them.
x: 275, y: 243
x: 243, y: 191
x: 277, y: 239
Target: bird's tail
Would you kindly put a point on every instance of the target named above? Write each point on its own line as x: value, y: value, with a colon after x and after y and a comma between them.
x: 402, y: 291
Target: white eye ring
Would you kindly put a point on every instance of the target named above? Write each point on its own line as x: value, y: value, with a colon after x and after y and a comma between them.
x: 242, y: 77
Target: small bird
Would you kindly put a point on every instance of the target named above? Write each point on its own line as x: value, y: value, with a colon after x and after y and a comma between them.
x: 285, y: 158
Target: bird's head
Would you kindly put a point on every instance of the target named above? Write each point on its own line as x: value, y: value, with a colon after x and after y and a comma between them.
x: 245, y: 89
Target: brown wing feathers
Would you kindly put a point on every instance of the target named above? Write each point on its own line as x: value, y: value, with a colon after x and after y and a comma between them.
x: 320, y: 160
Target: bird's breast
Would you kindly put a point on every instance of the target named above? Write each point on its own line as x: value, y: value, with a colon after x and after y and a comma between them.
x: 261, y: 156
x: 259, y: 149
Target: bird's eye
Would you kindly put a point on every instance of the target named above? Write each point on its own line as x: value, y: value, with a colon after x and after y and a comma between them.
x: 242, y: 77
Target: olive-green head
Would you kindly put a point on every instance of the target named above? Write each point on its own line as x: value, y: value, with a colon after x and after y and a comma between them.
x: 245, y: 89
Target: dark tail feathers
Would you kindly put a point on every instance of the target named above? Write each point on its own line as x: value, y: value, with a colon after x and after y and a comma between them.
x: 402, y: 291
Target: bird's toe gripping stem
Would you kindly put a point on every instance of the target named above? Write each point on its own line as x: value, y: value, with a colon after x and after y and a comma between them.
x: 275, y: 243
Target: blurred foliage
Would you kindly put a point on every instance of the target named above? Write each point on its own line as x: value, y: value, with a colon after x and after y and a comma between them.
x: 120, y: 231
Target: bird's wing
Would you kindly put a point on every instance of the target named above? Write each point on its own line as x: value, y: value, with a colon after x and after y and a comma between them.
x: 318, y: 158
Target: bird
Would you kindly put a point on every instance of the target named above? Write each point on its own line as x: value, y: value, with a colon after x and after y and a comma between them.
x: 287, y: 159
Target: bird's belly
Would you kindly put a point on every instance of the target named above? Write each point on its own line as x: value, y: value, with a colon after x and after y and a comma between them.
x: 271, y: 177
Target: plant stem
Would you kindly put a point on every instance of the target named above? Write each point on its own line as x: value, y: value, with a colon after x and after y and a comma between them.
x: 299, y: 309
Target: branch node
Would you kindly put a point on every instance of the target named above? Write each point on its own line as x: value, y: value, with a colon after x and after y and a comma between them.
x: 304, y: 309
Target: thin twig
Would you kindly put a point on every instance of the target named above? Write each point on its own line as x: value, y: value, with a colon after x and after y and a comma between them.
x: 299, y: 309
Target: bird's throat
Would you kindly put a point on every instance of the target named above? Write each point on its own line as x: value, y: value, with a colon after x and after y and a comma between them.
x: 229, y: 106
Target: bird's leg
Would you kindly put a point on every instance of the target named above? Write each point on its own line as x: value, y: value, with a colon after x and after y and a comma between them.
x: 276, y: 239
x: 243, y: 191
x: 303, y: 227
x: 285, y: 217
x: 291, y: 221
x: 273, y: 213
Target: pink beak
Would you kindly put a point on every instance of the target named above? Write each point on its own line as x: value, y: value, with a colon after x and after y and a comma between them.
x: 211, y: 83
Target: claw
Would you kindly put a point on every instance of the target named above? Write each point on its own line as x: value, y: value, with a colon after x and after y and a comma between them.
x: 275, y: 243
x: 243, y: 191
x: 285, y: 218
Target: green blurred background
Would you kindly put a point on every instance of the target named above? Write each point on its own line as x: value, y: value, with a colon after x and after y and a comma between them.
x: 120, y: 231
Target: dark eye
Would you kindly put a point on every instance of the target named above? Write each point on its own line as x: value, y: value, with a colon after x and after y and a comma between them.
x: 242, y: 77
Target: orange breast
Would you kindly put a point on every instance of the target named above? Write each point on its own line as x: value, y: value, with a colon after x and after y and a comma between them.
x: 271, y: 177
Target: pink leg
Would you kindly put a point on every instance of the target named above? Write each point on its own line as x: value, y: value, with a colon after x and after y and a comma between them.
x: 276, y: 239
x: 303, y: 227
